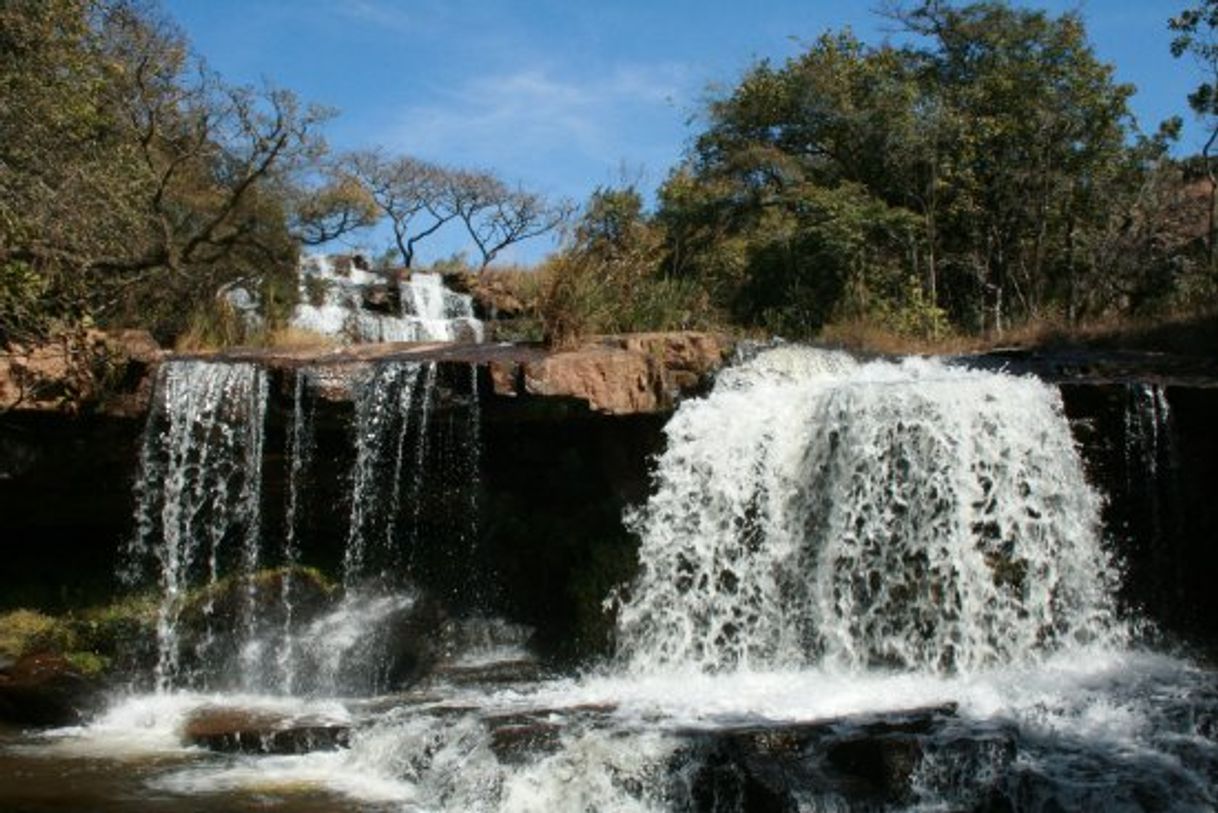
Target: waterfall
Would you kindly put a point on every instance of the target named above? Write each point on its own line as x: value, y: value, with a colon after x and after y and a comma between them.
x: 862, y: 586
x: 434, y: 313
x: 199, y: 492
x: 299, y: 456
x: 227, y: 610
x: 382, y: 425
x: 903, y: 514
x: 1149, y: 453
x: 336, y: 303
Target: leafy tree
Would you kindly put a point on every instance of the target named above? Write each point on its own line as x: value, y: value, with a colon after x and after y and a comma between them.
x: 1196, y: 35
x: 978, y: 161
x: 133, y: 182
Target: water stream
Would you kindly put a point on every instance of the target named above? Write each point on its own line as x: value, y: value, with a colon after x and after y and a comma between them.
x: 862, y: 586
x: 354, y: 305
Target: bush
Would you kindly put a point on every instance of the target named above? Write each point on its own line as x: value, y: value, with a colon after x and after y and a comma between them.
x: 610, y: 279
x: 583, y: 295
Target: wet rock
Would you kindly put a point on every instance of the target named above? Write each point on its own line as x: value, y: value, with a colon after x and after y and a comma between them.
x: 780, y: 767
x: 235, y: 730
x: 262, y: 595
x: 514, y: 671
x: 884, y: 764
x: 384, y: 299
x: 520, y: 740
x: 46, y: 690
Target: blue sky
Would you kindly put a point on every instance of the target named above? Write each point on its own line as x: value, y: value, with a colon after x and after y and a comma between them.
x: 562, y: 95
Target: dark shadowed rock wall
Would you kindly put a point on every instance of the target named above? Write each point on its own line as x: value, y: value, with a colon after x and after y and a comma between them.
x: 529, y: 523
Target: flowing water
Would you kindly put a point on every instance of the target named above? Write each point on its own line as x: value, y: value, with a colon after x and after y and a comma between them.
x: 336, y: 303
x: 862, y: 586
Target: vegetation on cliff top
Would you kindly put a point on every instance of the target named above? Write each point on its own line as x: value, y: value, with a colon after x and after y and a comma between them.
x: 979, y: 173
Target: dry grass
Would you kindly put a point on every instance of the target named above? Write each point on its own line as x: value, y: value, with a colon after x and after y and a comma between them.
x: 1186, y: 334
x: 208, y: 338
x: 1182, y: 334
x: 862, y: 337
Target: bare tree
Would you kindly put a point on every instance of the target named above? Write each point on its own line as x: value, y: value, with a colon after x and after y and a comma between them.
x: 497, y: 217
x: 414, y: 195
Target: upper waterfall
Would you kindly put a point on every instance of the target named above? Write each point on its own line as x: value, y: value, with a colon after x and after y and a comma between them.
x: 344, y: 300
x: 814, y: 509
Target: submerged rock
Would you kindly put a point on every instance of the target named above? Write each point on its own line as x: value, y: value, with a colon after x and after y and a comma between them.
x: 872, y: 762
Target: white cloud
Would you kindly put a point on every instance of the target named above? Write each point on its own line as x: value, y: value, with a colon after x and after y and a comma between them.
x: 517, y: 118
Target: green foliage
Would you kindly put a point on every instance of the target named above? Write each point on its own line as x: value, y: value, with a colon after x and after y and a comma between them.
x: 1196, y: 34
x: 133, y: 182
x: 610, y: 278
x: 985, y: 173
x: 24, y: 632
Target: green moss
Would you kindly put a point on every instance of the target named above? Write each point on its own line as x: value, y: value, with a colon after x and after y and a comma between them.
x: 23, y: 632
x: 89, y: 664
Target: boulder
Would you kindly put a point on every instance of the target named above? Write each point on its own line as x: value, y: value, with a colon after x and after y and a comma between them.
x: 46, y: 689
x: 250, y: 731
x: 610, y: 380
x: 630, y: 374
x: 781, y: 767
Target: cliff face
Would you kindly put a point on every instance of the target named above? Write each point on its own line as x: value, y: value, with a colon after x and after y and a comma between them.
x: 531, y: 459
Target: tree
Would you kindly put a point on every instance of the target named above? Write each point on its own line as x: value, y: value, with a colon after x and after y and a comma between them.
x: 133, y: 179
x: 991, y: 147
x: 416, y: 197
x: 1196, y: 34
x: 496, y: 216
x: 335, y: 207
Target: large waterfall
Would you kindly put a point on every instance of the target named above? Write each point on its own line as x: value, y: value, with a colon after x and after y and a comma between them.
x: 905, y: 515
x: 870, y: 585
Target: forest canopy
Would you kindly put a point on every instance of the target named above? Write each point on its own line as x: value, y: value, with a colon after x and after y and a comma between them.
x: 980, y: 170
x: 985, y: 173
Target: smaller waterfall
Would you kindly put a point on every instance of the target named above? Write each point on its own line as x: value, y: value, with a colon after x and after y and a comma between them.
x: 234, y: 608
x: 299, y: 460
x: 388, y: 426
x: 1151, y: 489
x: 198, y: 498
x: 336, y: 303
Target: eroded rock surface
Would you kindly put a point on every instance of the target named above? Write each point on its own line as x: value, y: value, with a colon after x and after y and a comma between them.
x: 93, y: 369
x: 45, y: 689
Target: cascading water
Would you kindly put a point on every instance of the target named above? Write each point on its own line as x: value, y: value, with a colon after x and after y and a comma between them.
x: 299, y: 459
x: 199, y: 491
x: 433, y: 313
x: 385, y: 414
x: 862, y: 586
x: 904, y: 515
x: 334, y: 303
x: 229, y: 608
